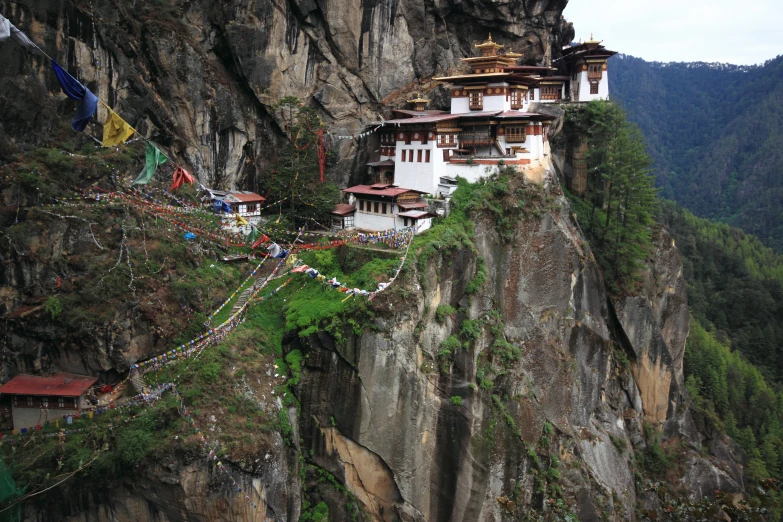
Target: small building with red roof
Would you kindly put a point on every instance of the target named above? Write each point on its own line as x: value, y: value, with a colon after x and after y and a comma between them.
x: 383, y: 206
x: 37, y: 399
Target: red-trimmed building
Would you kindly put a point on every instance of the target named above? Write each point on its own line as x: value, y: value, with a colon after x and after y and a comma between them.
x: 36, y: 399
x: 383, y: 206
x: 492, y: 121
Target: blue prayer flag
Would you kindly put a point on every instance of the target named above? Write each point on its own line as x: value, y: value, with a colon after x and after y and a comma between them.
x: 75, y: 90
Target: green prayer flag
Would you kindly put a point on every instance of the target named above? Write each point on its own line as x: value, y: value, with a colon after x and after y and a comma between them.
x: 253, y: 235
x: 154, y: 158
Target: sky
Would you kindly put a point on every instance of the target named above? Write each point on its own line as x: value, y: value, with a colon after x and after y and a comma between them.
x: 739, y: 31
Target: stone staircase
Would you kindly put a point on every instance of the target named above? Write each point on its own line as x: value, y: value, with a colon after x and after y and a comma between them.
x: 137, y: 380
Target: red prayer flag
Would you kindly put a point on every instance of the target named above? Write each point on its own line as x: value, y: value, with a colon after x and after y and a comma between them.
x: 261, y: 240
x: 180, y: 177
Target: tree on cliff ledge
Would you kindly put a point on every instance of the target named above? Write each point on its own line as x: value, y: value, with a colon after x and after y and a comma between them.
x: 620, y: 200
x: 295, y: 176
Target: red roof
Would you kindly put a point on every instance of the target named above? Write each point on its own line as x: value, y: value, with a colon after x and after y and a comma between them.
x: 244, y: 197
x: 343, y: 209
x: 409, y: 205
x: 426, y: 119
x: 58, y: 385
x: 384, y: 163
x: 520, y: 114
x: 415, y: 214
x: 418, y: 114
x: 386, y: 190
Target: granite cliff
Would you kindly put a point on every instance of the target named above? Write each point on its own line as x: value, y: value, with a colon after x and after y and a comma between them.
x: 202, y: 77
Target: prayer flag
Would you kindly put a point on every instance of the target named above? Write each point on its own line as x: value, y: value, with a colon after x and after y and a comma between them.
x: 73, y: 89
x: 260, y: 241
x: 153, y: 158
x: 116, y: 131
x: 180, y: 177
x: 240, y: 221
x: 5, y: 28
x: 9, y: 30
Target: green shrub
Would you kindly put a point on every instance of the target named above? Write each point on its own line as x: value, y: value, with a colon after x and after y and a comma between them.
x: 479, y: 279
x: 470, y: 330
x: 210, y: 372
x: 54, y: 306
x: 456, y: 400
x: 133, y: 445
x: 449, y: 346
x: 444, y: 311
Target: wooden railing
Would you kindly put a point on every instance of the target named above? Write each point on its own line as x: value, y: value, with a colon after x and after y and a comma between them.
x: 474, y: 139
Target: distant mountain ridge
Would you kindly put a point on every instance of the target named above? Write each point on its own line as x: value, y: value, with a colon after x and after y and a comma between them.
x: 714, y: 132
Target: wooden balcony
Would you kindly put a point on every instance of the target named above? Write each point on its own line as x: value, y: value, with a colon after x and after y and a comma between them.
x: 474, y: 139
x: 597, y: 75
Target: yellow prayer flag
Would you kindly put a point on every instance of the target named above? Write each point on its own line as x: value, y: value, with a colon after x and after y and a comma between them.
x: 115, y: 130
x: 240, y: 220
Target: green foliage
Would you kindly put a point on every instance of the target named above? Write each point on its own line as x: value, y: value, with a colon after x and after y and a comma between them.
x: 735, y: 287
x: 719, y: 159
x: 211, y: 372
x: 619, y: 202
x: 296, y: 175
x: 133, y: 445
x: 449, y: 346
x: 294, y: 361
x: 53, y: 306
x: 444, y: 311
x: 456, y: 400
x: 479, y: 279
x: 470, y: 329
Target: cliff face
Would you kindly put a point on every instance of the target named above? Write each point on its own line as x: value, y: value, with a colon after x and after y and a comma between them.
x: 378, y: 411
x: 201, y: 77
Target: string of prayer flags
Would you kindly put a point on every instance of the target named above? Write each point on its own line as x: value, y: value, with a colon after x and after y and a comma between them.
x: 9, y: 30
x: 72, y: 88
x: 240, y: 221
x: 180, y: 177
x: 261, y: 240
x: 154, y: 157
x: 116, y: 131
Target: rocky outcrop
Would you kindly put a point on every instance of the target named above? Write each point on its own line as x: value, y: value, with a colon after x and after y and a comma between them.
x: 201, y: 77
x: 389, y: 392
x: 175, y: 492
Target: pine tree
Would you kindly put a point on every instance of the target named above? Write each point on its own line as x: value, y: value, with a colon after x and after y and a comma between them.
x: 295, y: 176
x: 620, y: 192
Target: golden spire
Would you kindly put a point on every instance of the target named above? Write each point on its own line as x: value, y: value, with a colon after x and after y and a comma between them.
x: 488, y: 48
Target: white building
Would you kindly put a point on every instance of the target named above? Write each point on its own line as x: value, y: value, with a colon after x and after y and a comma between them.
x: 490, y: 123
x: 39, y: 399
x: 589, y: 75
x: 382, y: 207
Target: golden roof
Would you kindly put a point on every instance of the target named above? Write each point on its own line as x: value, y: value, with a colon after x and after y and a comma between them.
x: 489, y: 46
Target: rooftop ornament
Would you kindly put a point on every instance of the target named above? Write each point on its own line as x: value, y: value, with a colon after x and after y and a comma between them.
x: 489, y: 48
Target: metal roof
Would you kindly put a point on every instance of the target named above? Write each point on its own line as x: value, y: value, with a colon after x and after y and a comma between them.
x: 425, y: 119
x: 58, y: 385
x: 244, y: 197
x: 384, y: 163
x: 389, y: 190
x: 415, y: 214
x: 419, y: 114
x: 343, y: 209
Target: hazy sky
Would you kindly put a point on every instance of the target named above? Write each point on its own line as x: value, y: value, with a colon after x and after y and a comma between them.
x: 739, y: 31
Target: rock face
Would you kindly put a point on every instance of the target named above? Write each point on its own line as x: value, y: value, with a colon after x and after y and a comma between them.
x: 173, y: 492
x: 201, y: 77
x: 378, y: 410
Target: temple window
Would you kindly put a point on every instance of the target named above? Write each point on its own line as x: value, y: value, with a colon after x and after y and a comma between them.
x: 446, y: 140
x: 476, y: 100
x: 551, y: 92
x: 593, y: 88
x: 426, y: 156
x: 516, y: 99
x: 515, y: 134
x: 418, y: 156
x: 410, y: 156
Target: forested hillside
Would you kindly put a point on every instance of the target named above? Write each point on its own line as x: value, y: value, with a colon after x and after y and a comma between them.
x: 735, y: 295
x: 714, y: 133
